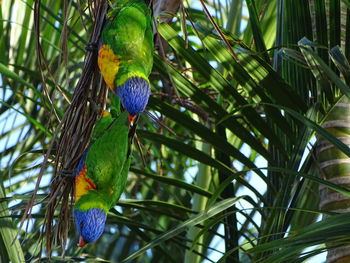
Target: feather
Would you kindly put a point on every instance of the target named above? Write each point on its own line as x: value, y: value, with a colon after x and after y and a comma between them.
x: 101, y: 176
x: 126, y: 53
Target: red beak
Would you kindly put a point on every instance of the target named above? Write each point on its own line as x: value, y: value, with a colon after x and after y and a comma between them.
x: 131, y: 118
x: 81, y: 242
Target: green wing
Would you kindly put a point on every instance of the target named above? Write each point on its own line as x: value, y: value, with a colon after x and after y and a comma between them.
x: 100, y: 128
x: 107, y: 155
x: 121, y: 182
x: 103, y: 124
x: 115, y: 104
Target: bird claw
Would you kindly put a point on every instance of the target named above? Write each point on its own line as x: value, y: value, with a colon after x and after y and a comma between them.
x: 91, y: 47
x: 95, y: 107
x: 67, y: 173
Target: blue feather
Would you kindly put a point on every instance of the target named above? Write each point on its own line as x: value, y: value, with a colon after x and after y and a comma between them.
x: 81, y: 163
x: 134, y: 95
x: 90, y: 223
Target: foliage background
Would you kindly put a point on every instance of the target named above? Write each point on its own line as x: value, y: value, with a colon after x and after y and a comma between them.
x: 240, y: 169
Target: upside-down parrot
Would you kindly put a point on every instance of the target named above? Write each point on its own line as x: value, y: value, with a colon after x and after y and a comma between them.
x: 101, y: 176
x: 125, y: 55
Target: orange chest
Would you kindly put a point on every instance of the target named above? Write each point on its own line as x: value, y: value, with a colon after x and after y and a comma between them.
x: 108, y: 64
x: 82, y: 184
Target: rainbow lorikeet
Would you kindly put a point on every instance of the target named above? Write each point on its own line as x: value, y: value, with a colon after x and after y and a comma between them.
x: 101, y: 176
x: 125, y: 56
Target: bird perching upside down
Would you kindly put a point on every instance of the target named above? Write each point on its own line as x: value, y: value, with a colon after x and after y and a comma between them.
x: 101, y: 176
x: 125, y: 56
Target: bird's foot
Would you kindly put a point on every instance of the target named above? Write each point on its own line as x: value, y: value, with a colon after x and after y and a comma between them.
x: 92, y: 46
x: 67, y: 173
x: 94, y: 106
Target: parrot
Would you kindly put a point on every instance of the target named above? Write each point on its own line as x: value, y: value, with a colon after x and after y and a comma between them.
x: 125, y: 53
x: 100, y: 176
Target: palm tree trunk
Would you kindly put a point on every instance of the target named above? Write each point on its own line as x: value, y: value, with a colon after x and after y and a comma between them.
x: 335, y: 168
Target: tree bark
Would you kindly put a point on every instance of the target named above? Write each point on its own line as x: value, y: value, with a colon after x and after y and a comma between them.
x: 335, y: 168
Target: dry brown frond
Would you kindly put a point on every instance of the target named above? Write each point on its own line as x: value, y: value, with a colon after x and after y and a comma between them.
x: 87, y: 103
x: 73, y: 132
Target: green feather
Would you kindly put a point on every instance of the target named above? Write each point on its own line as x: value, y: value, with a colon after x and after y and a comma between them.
x: 107, y: 154
x: 115, y: 105
x: 100, y: 127
x: 107, y: 164
x: 104, y: 122
x: 129, y: 34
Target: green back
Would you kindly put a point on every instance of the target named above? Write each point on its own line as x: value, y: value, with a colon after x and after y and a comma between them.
x: 102, y: 197
x: 107, y: 155
x: 105, y: 122
x: 114, y: 104
x: 100, y: 127
x: 129, y: 34
x: 107, y: 164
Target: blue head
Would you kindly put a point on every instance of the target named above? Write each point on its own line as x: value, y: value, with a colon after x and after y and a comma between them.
x: 90, y: 224
x: 134, y: 94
